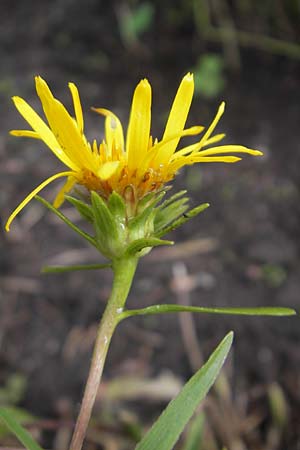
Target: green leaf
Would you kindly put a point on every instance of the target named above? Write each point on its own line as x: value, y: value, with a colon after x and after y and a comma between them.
x: 195, y: 433
x: 63, y: 269
x: 20, y: 415
x: 140, y: 244
x: 84, y: 210
x: 166, y: 430
x: 68, y: 222
x: 21, y: 434
x: 163, y: 309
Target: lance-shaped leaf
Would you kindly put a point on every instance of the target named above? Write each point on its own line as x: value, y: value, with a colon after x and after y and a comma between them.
x: 195, y: 435
x: 164, y: 309
x: 21, y: 434
x: 166, y: 430
x: 68, y: 222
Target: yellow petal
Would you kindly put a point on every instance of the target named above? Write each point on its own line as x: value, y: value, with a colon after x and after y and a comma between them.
x: 25, y: 133
x: 157, y: 154
x: 77, y: 106
x: 197, y: 158
x: 113, y: 129
x: 214, y: 139
x: 65, y: 130
x: 107, y: 170
x: 229, y: 149
x: 33, y: 194
x: 213, y: 125
x: 206, y: 159
x: 178, y: 114
x: 59, y: 199
x: 42, y: 129
x: 138, y: 132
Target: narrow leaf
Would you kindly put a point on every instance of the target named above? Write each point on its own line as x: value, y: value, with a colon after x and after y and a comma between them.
x: 166, y: 430
x: 195, y: 433
x: 20, y: 415
x: 163, y: 309
x: 63, y: 269
x: 68, y: 222
x: 21, y: 434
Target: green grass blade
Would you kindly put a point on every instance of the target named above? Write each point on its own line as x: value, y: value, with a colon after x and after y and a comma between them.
x: 166, y: 430
x: 164, y: 309
x: 21, y: 434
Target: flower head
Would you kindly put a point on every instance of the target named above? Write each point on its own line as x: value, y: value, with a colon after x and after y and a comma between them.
x: 136, y: 165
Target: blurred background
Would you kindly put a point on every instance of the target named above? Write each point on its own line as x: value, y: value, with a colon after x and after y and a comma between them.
x: 242, y: 251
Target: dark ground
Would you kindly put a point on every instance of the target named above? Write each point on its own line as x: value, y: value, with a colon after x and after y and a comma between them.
x: 242, y: 251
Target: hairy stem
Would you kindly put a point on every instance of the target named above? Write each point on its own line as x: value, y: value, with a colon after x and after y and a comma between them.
x: 124, y: 270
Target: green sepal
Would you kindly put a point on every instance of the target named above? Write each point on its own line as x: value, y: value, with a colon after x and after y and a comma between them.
x: 148, y: 198
x: 145, y: 243
x: 84, y: 210
x: 68, y: 222
x: 171, y: 212
x: 172, y: 199
x: 164, y: 309
x: 103, y: 218
x: 117, y: 207
x: 183, y: 219
x: 109, y: 233
x: 142, y: 224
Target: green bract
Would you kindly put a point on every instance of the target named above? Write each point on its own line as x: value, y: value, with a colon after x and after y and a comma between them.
x: 118, y: 233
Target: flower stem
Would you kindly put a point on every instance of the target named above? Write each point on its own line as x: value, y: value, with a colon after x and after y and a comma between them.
x: 124, y: 270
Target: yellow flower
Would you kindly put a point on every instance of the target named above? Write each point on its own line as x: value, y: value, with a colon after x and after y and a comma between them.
x: 139, y: 161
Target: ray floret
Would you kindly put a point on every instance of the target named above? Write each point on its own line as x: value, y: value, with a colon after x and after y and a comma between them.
x: 134, y: 167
